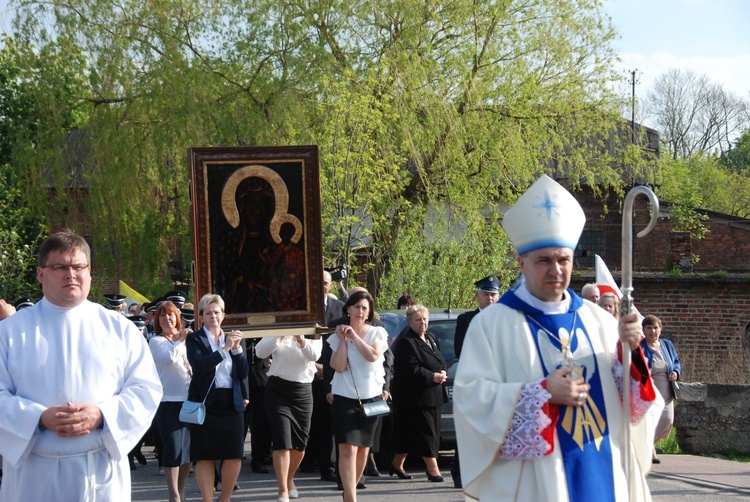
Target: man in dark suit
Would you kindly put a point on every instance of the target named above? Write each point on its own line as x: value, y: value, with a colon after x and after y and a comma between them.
x: 334, y: 308
x: 488, y: 292
x: 256, y: 419
x: 320, y: 445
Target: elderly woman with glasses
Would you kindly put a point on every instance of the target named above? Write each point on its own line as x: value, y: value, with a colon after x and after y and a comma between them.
x: 666, y: 369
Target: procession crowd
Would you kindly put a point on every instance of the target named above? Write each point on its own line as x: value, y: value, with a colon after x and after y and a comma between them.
x: 540, y: 382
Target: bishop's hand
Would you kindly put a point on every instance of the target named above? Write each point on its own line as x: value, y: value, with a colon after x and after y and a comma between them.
x: 630, y: 330
x: 565, y: 390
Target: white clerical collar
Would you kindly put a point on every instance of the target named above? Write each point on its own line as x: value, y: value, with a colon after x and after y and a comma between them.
x: 548, y: 308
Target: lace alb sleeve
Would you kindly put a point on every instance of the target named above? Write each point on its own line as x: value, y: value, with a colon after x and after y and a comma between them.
x: 525, y: 439
x: 638, y: 406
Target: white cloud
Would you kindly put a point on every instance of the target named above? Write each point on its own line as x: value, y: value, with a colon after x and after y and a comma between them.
x: 733, y: 72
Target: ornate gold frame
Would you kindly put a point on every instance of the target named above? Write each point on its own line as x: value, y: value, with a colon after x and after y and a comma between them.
x: 269, y: 268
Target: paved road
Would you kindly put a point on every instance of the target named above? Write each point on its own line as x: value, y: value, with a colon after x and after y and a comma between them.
x: 148, y: 486
x: 670, y: 489
x: 678, y: 477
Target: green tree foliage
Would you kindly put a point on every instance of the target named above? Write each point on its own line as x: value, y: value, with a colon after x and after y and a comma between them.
x: 702, y: 182
x: 737, y: 159
x: 21, y: 229
x: 428, y: 115
x: 681, y: 184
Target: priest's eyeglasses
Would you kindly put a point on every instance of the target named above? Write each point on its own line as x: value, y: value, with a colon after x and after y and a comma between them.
x: 61, y: 268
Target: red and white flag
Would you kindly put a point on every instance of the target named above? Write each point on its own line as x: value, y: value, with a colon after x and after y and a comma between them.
x: 606, y: 283
x: 604, y: 280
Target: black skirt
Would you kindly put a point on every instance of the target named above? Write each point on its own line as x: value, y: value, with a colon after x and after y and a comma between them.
x: 175, y: 435
x: 289, y: 407
x: 416, y: 429
x: 222, y: 435
x: 350, y: 425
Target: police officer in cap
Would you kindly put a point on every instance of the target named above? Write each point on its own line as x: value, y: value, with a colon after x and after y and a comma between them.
x: 488, y: 292
x: 177, y: 297
x: 150, y: 309
x: 188, y: 317
x: 140, y: 323
x: 24, y: 302
x: 115, y: 302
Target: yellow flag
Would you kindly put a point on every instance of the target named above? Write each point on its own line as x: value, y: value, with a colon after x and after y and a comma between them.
x: 132, y: 293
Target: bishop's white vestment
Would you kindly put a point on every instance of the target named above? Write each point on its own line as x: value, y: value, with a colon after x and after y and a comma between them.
x: 514, y: 444
x: 50, y: 356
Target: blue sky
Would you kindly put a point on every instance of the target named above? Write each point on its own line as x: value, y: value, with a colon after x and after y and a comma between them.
x: 710, y: 37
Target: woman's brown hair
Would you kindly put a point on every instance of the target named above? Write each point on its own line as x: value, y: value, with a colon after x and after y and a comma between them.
x: 171, y: 308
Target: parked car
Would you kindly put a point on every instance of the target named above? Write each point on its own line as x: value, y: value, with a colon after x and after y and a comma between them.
x: 443, y: 326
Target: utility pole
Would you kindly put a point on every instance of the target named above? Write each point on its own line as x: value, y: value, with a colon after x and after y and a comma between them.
x: 632, y: 106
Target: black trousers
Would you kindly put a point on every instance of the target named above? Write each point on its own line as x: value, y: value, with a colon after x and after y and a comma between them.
x: 321, y: 447
x: 260, y: 431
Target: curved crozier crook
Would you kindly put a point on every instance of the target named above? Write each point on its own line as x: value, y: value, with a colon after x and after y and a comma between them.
x: 280, y: 194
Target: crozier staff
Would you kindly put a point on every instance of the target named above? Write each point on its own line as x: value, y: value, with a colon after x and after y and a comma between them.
x: 538, y: 410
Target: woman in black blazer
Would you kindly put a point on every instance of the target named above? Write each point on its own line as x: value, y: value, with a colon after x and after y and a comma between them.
x: 417, y: 386
x: 219, y: 366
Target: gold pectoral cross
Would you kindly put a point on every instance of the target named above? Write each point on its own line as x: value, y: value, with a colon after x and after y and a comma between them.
x: 567, y: 359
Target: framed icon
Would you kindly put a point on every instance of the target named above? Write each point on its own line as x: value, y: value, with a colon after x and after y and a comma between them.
x: 257, y: 234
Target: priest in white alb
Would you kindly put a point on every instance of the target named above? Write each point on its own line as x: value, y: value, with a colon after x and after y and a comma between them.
x: 537, y: 394
x: 78, y: 387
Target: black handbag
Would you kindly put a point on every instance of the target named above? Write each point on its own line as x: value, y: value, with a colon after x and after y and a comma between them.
x: 374, y: 408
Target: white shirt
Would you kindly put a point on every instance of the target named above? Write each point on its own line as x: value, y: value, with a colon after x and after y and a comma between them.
x: 173, y: 367
x: 224, y: 369
x: 51, y: 355
x: 290, y: 362
x: 370, y: 376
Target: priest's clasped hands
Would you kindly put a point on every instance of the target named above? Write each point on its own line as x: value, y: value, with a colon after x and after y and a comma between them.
x: 71, y: 420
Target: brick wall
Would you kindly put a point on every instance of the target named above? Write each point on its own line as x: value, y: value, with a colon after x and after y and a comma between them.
x: 726, y: 246
x: 706, y: 317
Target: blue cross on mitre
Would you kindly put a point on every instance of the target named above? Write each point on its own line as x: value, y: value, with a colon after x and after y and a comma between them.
x: 548, y: 205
